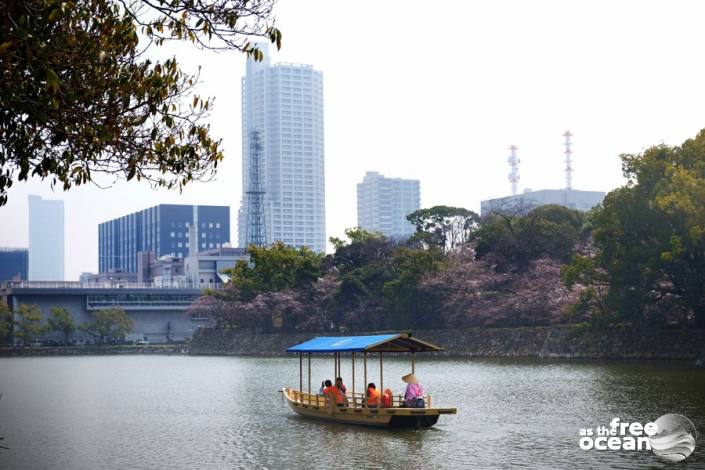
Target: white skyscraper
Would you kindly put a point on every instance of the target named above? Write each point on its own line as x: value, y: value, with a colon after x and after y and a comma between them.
x: 282, y: 108
x: 46, y: 239
x: 383, y: 204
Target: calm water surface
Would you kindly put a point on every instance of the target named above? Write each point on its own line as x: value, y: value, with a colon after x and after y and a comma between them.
x: 151, y: 412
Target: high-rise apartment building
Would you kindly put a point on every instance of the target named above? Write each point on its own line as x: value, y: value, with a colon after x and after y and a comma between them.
x: 162, y: 229
x: 383, y: 204
x: 282, y: 126
x: 46, y: 239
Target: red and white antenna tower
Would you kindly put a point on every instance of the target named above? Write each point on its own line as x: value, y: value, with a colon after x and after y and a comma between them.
x: 513, y: 161
x: 568, y: 161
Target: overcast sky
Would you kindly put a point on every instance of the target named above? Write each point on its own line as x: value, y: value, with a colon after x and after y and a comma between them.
x: 438, y: 91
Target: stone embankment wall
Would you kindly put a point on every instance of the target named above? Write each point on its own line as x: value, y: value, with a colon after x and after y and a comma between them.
x: 94, y: 350
x: 541, y: 342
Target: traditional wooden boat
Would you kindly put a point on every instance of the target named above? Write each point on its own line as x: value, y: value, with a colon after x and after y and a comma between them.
x: 312, y: 405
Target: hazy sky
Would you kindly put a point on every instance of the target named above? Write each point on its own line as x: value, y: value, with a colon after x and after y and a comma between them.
x: 438, y: 91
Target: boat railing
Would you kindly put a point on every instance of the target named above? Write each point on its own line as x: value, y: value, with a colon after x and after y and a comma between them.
x: 355, y: 400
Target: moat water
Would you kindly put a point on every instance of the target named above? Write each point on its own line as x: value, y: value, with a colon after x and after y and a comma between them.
x: 178, y: 412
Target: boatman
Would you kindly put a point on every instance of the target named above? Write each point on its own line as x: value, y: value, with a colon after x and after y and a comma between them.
x: 413, y: 397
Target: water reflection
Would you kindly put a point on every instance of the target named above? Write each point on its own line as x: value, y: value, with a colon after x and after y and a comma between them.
x: 210, y: 412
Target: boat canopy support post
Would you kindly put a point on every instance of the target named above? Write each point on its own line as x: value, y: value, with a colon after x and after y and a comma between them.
x: 301, y: 377
x: 309, y: 378
x: 381, y: 372
x: 413, y: 363
x: 364, y: 360
x: 353, y: 378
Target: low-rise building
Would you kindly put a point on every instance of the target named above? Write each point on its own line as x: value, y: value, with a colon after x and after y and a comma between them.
x: 571, y: 198
x: 159, y: 313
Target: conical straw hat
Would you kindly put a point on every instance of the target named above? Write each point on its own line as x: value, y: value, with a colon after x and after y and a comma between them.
x: 410, y: 379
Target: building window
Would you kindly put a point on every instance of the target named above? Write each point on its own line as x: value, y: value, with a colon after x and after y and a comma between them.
x: 210, y: 225
x: 217, y: 225
x: 172, y: 234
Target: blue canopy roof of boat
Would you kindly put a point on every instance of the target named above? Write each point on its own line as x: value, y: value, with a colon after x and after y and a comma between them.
x: 398, y: 342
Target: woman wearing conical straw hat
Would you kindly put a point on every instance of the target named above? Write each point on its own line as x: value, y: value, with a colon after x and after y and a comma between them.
x: 413, y: 397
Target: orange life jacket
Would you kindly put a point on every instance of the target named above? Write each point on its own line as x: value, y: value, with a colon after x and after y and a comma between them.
x: 373, y: 396
x: 387, y: 398
x: 335, y: 392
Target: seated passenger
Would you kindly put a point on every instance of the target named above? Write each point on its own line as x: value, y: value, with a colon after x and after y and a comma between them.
x: 413, y: 397
x: 387, y: 398
x: 332, y: 394
x: 342, y: 389
x: 373, y: 396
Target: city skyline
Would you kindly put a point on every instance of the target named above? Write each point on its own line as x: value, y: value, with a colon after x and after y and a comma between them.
x: 442, y: 112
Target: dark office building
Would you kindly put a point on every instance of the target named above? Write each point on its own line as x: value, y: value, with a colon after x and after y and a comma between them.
x: 14, y: 264
x: 162, y: 229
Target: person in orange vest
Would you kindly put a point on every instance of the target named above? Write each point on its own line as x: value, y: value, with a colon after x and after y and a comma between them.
x: 342, y: 389
x: 373, y: 396
x: 387, y: 398
x: 333, y: 394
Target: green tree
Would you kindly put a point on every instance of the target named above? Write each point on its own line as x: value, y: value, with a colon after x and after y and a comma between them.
x: 512, y: 241
x: 62, y: 321
x: 108, y: 325
x: 78, y: 97
x: 406, y: 304
x: 650, y: 236
x: 355, y: 236
x: 29, y: 323
x: 6, y: 324
x: 444, y: 227
x: 274, y: 268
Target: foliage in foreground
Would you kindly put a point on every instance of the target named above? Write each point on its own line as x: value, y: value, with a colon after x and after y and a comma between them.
x: 79, y: 98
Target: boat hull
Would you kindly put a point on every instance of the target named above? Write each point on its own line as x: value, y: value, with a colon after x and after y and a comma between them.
x: 314, y: 407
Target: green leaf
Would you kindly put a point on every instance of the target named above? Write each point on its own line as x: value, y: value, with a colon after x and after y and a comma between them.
x: 52, y: 81
x: 54, y: 15
x: 5, y: 45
